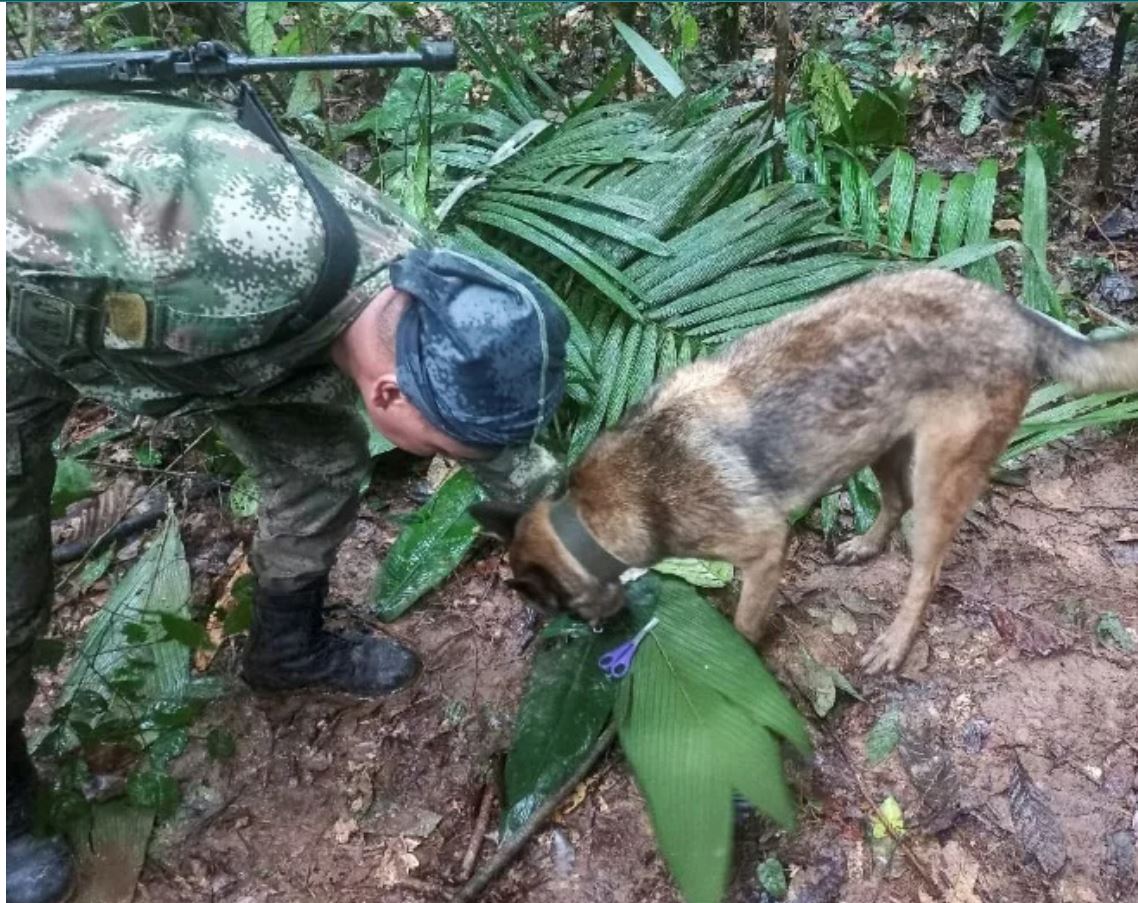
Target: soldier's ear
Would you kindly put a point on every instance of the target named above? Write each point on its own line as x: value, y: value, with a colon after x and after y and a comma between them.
x: 498, y: 519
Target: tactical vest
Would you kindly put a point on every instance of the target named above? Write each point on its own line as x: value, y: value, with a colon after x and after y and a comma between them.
x: 158, y: 251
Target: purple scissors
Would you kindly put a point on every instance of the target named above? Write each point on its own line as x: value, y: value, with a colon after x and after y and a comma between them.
x: 617, y: 662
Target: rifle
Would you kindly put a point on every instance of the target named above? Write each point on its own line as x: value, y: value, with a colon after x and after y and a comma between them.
x: 128, y: 69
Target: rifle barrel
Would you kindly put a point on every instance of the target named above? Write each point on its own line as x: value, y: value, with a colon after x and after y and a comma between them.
x: 145, y: 68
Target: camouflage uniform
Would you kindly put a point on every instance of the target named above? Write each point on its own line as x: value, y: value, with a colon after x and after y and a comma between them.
x: 152, y: 245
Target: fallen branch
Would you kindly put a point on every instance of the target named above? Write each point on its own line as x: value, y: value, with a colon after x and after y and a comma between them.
x: 480, y: 824
x: 67, y: 552
x: 508, y: 850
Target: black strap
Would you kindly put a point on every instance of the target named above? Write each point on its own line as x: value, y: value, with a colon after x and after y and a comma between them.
x: 341, y: 246
x: 582, y: 545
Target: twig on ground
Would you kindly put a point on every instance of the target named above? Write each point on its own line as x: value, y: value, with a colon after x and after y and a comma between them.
x: 481, y: 821
x: 508, y: 850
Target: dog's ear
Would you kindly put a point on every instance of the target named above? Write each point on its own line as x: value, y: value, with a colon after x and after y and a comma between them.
x: 498, y: 519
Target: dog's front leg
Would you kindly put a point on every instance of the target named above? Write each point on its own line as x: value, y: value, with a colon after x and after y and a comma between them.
x: 760, y: 583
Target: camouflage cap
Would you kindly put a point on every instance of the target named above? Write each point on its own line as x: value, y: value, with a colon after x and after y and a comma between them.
x: 481, y: 349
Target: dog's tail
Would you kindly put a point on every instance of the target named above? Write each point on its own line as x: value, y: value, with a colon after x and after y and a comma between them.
x: 1085, y: 365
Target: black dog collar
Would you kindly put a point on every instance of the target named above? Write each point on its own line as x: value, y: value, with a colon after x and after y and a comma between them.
x: 582, y: 545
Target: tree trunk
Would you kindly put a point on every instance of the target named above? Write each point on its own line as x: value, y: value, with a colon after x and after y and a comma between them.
x: 781, y: 81
x: 1110, y: 98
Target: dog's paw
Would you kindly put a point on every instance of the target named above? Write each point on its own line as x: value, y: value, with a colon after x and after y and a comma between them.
x: 860, y: 548
x: 888, y: 651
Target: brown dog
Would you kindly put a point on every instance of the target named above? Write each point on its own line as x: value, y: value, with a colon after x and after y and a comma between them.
x: 922, y: 376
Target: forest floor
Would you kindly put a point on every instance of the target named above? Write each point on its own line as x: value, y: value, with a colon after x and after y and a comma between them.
x: 1013, y: 707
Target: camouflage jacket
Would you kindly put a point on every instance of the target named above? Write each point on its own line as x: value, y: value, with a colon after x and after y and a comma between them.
x: 154, y: 246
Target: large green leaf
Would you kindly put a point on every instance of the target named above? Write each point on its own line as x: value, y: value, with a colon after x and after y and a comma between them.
x: 652, y: 59
x: 260, y: 17
x: 157, y: 586
x: 567, y: 701
x: 73, y: 481
x: 430, y: 547
x: 979, y: 226
x: 900, y: 199
x: 925, y: 209
x: 701, y: 714
x: 1037, y: 290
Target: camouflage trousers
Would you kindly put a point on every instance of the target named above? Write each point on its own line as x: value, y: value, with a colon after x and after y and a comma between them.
x: 309, y: 461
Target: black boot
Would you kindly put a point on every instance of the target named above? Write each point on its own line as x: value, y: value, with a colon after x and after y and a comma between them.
x: 289, y: 649
x: 40, y: 869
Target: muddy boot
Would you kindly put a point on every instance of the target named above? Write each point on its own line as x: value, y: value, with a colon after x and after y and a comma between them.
x: 40, y: 869
x: 289, y: 649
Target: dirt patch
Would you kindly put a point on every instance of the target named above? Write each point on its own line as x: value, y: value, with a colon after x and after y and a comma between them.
x: 331, y: 799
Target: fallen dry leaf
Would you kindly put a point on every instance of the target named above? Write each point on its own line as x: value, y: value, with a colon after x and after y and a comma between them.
x: 1039, y: 830
x: 1007, y: 225
x: 1031, y: 635
x: 214, y: 627
x: 344, y: 828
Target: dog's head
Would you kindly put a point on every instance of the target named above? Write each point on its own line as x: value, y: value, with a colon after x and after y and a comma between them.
x: 545, y: 573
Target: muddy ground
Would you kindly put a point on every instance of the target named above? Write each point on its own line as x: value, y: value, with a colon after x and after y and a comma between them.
x: 375, y: 801
x: 1007, y: 690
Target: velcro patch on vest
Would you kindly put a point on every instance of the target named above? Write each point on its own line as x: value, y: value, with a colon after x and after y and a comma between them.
x: 126, y: 322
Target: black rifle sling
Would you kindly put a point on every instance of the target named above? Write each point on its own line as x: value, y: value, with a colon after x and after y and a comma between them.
x: 341, y: 247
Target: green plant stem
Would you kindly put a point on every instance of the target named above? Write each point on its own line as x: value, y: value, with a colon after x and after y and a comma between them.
x: 508, y: 850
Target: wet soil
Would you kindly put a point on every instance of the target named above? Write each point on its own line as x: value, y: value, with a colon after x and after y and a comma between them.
x: 375, y: 801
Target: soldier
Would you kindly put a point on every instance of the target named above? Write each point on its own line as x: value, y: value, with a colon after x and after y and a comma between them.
x: 164, y: 259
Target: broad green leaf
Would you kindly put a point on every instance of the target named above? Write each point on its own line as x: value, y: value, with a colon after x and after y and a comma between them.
x: 220, y: 744
x: 430, y: 547
x: 900, y: 199
x: 1110, y: 631
x: 979, y: 227
x: 972, y: 114
x: 694, y: 634
x: 971, y: 253
x: 587, y: 219
x: 73, y: 481
x: 694, y: 735
x: 167, y: 746
x: 954, y: 217
x: 1068, y: 18
x: 240, y: 616
x: 157, y: 669
x: 823, y: 682
x: 147, y: 456
x: 877, y: 119
x: 889, y: 822
x: 95, y: 569
x: 1037, y: 291
x: 677, y: 757
x: 925, y: 210
x: 185, y: 631
x: 652, y: 59
x: 305, y: 94
x: 697, y: 571
x: 259, y: 21
x: 153, y: 790
x: 244, y: 495
x: 568, y: 700
x: 864, y: 499
x: 868, y: 214
x: 883, y: 737
x: 772, y: 877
